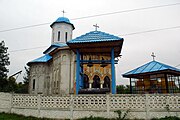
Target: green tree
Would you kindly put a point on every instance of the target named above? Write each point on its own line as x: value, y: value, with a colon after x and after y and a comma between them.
x: 11, y: 85
x: 121, y: 89
x: 4, y: 62
x: 26, y: 78
x: 22, y: 87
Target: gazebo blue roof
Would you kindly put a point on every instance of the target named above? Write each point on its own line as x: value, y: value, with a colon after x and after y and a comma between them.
x: 45, y: 58
x: 62, y: 20
x: 54, y: 46
x: 152, y: 66
x: 94, y: 36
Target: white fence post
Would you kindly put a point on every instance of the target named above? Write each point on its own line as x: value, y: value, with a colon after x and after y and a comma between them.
x: 39, y: 104
x: 147, y: 106
x: 71, y: 107
x: 108, y: 106
x: 11, y: 102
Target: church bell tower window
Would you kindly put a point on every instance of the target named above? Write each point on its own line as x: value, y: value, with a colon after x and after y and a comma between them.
x: 66, y: 35
x: 33, y: 84
x: 59, y: 35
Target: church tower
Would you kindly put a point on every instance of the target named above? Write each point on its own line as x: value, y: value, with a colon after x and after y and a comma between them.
x: 62, y: 30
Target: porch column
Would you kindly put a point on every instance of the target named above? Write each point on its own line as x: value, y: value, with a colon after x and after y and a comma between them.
x: 113, y: 72
x: 77, y: 70
x: 166, y: 82
x: 130, y: 86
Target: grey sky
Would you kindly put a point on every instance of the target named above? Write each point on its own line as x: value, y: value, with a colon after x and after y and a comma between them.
x: 136, y: 49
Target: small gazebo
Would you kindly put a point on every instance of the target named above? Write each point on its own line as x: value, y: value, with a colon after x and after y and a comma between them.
x: 154, y: 77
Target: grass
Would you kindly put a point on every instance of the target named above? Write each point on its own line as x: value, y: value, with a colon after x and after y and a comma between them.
x: 6, y: 116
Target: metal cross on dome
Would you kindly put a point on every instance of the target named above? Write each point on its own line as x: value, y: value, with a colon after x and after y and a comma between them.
x: 153, y: 56
x: 63, y: 12
x: 96, y: 26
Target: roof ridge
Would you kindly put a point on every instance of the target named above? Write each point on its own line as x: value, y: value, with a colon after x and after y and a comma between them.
x: 95, y: 36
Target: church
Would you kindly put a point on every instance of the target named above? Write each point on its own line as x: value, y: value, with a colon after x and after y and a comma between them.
x: 84, y: 65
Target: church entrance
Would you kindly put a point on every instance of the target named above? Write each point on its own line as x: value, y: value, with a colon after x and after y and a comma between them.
x: 86, y: 81
x: 96, y: 82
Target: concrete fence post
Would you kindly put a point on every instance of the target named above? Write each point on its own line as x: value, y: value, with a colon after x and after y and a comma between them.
x: 71, y: 107
x: 147, y: 106
x: 11, y: 102
x: 108, y: 105
x: 39, y: 105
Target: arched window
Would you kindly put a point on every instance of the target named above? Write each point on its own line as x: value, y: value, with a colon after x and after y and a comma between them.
x: 34, y: 84
x: 59, y: 35
x: 64, y: 58
x: 86, y: 81
x: 96, y: 82
x: 106, y: 82
x: 66, y: 36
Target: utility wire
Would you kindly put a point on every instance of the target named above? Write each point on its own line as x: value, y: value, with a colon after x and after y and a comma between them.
x: 124, y: 11
x: 134, y: 33
x: 97, y: 15
x: 177, y: 65
x: 153, y: 30
x: 27, y: 49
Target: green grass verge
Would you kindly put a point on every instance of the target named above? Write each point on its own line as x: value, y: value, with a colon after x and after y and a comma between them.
x: 6, y: 116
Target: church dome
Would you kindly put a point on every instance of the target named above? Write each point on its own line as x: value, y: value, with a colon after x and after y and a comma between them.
x: 63, y: 20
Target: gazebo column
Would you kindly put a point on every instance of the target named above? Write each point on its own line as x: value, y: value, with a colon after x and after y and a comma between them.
x: 166, y: 81
x: 130, y: 86
x: 113, y: 72
x: 77, y: 70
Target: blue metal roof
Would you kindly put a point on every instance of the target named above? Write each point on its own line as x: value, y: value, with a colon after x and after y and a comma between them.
x: 94, y: 36
x: 152, y: 66
x: 45, y: 58
x: 54, y: 46
x: 62, y: 20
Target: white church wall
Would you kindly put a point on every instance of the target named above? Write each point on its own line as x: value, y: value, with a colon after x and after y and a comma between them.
x: 65, y: 71
x: 38, y: 76
x: 62, y: 28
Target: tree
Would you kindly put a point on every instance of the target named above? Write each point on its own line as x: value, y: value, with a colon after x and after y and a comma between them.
x: 4, y: 62
x: 26, y: 78
x: 121, y: 89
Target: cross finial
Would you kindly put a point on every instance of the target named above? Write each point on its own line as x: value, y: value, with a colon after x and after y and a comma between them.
x: 153, y: 56
x: 63, y: 12
x: 96, y: 26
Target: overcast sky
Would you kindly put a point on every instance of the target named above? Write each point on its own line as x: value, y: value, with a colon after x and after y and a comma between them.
x: 137, y: 48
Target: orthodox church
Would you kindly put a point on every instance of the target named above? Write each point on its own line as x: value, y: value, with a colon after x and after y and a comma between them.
x: 84, y: 65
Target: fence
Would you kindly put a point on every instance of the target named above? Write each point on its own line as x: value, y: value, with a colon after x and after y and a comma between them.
x: 143, y: 106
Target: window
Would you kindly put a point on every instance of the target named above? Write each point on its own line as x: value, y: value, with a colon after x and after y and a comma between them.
x: 59, y: 35
x: 53, y: 36
x: 33, y: 84
x: 66, y: 35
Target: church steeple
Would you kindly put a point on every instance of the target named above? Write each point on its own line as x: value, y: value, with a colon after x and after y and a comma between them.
x: 62, y: 30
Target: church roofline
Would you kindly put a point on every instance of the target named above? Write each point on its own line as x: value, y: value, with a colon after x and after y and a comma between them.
x: 43, y: 59
x: 151, y: 68
x: 63, y: 20
x: 94, y: 36
x: 54, y: 46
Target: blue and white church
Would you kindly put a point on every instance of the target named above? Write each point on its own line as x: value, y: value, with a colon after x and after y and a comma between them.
x: 84, y: 65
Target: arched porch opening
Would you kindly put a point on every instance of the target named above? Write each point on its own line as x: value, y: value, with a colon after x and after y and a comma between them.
x: 86, y: 81
x: 106, y: 82
x: 96, y: 82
